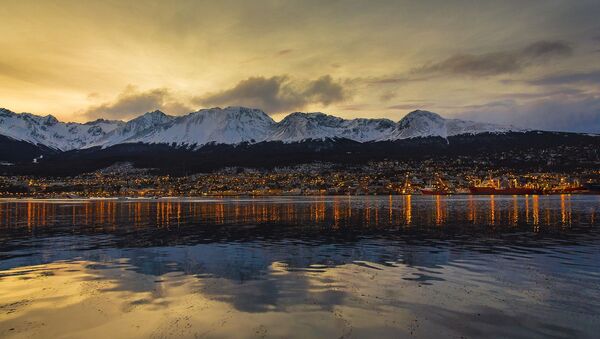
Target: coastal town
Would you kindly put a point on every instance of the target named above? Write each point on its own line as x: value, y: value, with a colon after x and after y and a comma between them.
x: 375, y: 178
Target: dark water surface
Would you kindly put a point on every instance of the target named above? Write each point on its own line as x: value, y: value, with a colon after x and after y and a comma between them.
x: 401, y: 266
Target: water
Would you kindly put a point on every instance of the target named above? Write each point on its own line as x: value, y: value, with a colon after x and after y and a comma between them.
x: 519, y: 267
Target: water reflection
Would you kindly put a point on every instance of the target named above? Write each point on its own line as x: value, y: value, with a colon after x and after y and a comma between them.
x: 337, y: 211
x: 503, y: 266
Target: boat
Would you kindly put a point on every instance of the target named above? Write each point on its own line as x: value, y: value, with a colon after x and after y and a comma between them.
x: 492, y: 187
x: 440, y: 188
x: 565, y: 187
x: 435, y: 191
x: 407, y: 187
x: 462, y: 191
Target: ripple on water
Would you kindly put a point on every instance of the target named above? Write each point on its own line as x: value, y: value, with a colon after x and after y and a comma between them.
x: 376, y: 266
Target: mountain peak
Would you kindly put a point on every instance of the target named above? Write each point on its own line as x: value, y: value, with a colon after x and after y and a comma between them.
x: 50, y: 120
x: 313, y: 116
x: 153, y: 117
x: 246, y: 111
x: 309, y: 114
x: 233, y: 111
x: 102, y: 120
x: 147, y: 120
x: 155, y: 112
x: 422, y: 123
x: 6, y: 111
x: 419, y: 113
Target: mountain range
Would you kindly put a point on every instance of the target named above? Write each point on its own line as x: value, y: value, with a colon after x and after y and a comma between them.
x: 216, y: 138
x: 230, y: 125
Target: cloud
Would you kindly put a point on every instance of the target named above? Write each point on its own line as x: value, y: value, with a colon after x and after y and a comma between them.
x: 284, y: 51
x: 568, y: 111
x: 388, y: 80
x: 393, y: 79
x: 498, y: 62
x: 592, y: 77
x: 132, y: 102
x: 387, y: 96
x: 546, y: 49
x: 407, y: 106
x: 278, y: 94
x: 355, y: 107
x: 476, y: 65
x: 325, y: 91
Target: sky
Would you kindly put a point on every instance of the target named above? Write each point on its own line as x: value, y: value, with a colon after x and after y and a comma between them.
x: 528, y: 63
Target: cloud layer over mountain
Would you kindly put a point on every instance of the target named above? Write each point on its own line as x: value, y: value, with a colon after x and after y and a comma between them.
x: 278, y: 94
x: 354, y: 58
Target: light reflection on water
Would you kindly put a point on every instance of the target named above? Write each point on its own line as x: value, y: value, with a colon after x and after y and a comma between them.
x: 366, y: 211
x: 500, y: 266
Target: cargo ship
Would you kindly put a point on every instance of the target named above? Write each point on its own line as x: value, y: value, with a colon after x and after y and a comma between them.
x: 566, y: 187
x: 492, y: 187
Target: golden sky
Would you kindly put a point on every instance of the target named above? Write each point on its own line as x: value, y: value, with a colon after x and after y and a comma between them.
x: 531, y: 63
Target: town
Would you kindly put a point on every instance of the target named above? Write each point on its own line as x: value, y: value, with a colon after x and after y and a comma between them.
x: 374, y: 178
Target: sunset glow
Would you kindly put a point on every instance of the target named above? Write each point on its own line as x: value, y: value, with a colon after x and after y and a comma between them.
x: 533, y: 64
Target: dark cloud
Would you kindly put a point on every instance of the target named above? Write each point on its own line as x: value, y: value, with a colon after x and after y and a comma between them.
x: 546, y: 49
x: 568, y: 111
x: 506, y: 103
x: 284, y: 51
x: 544, y: 94
x: 592, y: 77
x: 132, y: 102
x: 393, y: 79
x: 278, y: 94
x: 325, y: 91
x: 499, y: 62
x: 388, y: 80
x: 407, y: 106
x: 387, y: 96
x: 355, y: 107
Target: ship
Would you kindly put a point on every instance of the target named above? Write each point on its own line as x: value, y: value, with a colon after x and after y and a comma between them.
x: 407, y: 187
x: 440, y: 188
x: 431, y: 190
x: 566, y: 187
x: 492, y: 187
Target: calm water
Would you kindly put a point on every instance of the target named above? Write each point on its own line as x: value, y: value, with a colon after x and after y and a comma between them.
x: 403, y: 266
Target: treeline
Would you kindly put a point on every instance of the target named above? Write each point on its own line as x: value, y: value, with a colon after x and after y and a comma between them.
x: 528, y: 151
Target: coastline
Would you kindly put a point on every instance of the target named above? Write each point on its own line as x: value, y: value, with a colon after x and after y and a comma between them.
x: 267, y: 196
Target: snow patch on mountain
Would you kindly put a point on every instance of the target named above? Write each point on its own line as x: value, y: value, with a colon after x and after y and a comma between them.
x: 134, y: 129
x: 421, y: 123
x: 48, y: 131
x: 301, y: 126
x: 230, y: 125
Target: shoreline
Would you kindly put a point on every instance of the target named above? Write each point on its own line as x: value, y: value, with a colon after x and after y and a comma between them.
x: 210, y: 197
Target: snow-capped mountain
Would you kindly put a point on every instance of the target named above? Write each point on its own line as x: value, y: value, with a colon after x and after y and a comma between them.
x: 421, y: 123
x: 48, y: 131
x: 134, y: 129
x: 301, y: 126
x: 230, y: 125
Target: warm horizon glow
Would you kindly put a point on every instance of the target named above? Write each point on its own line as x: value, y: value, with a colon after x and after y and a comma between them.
x: 533, y: 64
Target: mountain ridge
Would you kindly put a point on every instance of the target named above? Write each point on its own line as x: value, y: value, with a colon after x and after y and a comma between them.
x: 230, y: 125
